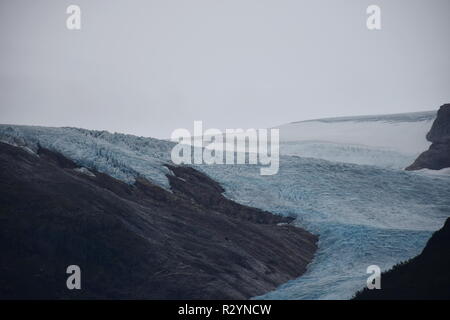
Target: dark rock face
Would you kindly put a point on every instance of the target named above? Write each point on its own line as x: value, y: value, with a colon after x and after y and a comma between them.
x: 438, y: 155
x: 135, y: 241
x: 426, y: 276
x: 440, y: 131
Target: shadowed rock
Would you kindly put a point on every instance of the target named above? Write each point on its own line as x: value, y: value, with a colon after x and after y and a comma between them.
x: 426, y: 276
x: 438, y: 155
x: 135, y: 241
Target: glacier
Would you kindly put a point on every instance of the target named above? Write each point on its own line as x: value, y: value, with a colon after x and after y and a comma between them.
x: 392, y: 141
x: 364, y: 215
x: 121, y: 156
x: 340, y: 178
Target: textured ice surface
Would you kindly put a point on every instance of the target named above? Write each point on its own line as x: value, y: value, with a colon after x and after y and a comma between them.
x: 351, y: 153
x: 119, y: 155
x: 364, y: 215
x: 361, y: 140
x: 364, y: 207
x: 371, y: 212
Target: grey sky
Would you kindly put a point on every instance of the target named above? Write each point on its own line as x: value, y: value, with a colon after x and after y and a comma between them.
x: 149, y: 67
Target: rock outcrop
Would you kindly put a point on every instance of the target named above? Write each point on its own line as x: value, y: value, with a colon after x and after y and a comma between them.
x: 438, y: 155
x: 135, y: 241
x: 425, y: 277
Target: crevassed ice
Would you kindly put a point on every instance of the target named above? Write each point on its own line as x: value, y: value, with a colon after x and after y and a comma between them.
x: 366, y: 213
x: 122, y: 156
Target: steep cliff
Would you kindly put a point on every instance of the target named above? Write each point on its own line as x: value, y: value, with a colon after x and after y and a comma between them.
x: 426, y: 276
x: 438, y: 155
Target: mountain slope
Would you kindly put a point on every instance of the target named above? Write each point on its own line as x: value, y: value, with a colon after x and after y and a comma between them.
x: 135, y: 240
x: 438, y: 155
x: 426, y: 276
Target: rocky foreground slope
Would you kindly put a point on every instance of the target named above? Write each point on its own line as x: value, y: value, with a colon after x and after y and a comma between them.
x: 135, y: 240
x: 438, y: 155
x: 426, y: 276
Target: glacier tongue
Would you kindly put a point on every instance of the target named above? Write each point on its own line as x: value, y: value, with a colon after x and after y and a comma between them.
x: 364, y: 215
x: 364, y: 208
x: 339, y: 177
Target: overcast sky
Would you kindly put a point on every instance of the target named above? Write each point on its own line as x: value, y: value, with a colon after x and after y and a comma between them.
x: 148, y: 67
